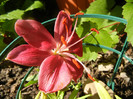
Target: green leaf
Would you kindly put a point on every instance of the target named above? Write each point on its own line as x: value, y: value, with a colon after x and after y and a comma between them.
x: 127, y: 11
x: 38, y: 95
x: 20, y: 95
x: 35, y: 5
x: 8, y: 25
x: 98, y: 7
x: 117, y: 97
x: 2, y: 4
x: 15, y: 14
x: 43, y: 95
x: 129, y: 29
x: 75, y: 91
x: 2, y: 44
x: 30, y: 83
x: 103, y: 38
x: 129, y: 0
x: 115, y: 38
x: 32, y: 77
x: 85, y: 96
x: 52, y: 96
x: 60, y: 94
x: 128, y: 15
x: 102, y: 92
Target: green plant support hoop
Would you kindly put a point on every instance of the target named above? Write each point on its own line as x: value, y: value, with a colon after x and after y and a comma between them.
x: 120, y: 53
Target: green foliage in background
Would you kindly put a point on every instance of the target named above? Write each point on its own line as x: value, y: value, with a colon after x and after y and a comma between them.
x: 10, y: 11
x: 109, y: 30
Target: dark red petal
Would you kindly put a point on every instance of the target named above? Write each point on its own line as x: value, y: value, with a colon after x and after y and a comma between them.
x: 53, y: 75
x: 76, y: 72
x: 35, y: 34
x: 60, y: 28
x: 77, y: 48
x: 56, y: 73
x: 27, y: 55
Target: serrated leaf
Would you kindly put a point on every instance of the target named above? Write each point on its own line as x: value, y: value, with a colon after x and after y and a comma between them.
x: 129, y: 29
x: 127, y: 11
x: 88, y: 54
x: 102, y: 92
x: 35, y: 5
x: 103, y: 38
x: 128, y: 15
x: 15, y: 14
x: 98, y: 7
x: 115, y: 38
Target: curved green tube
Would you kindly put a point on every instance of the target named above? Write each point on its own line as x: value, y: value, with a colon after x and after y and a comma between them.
x: 14, y: 42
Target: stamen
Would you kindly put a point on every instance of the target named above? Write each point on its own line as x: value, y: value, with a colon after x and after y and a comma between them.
x: 64, y: 22
x: 79, y: 13
x: 76, y: 63
x: 63, y: 40
x: 90, y: 77
x: 95, y: 30
x: 87, y: 70
x: 79, y: 40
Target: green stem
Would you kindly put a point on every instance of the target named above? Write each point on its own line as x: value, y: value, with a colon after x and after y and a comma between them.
x: 22, y: 83
x: 9, y: 47
x: 108, y: 48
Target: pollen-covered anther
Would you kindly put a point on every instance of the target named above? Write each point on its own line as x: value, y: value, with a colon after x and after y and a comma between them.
x: 63, y: 40
x: 76, y: 63
x: 95, y: 30
x: 79, y: 13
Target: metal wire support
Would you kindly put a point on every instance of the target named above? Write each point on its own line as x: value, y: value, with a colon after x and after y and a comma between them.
x: 121, y: 54
x: 111, y: 83
x: 9, y: 47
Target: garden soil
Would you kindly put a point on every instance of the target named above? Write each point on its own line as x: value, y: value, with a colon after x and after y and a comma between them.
x: 11, y: 75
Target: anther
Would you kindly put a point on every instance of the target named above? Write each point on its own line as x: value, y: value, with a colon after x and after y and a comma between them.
x: 76, y: 63
x: 95, y: 30
x: 63, y: 40
x: 79, y: 13
x: 64, y: 22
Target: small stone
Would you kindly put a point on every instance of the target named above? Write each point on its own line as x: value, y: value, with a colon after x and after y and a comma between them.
x: 13, y: 88
x: 10, y: 80
x: 105, y: 67
x: 124, y: 76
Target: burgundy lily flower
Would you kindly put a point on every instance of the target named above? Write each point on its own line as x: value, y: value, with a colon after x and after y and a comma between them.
x: 57, y: 65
